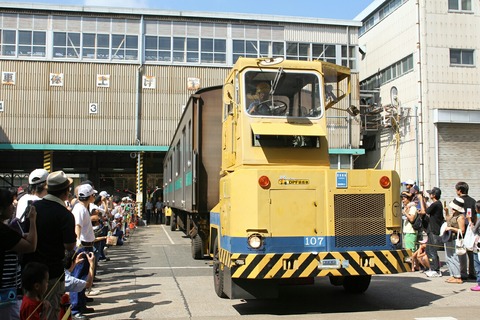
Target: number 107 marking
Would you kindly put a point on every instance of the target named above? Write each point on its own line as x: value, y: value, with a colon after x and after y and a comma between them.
x: 313, y: 241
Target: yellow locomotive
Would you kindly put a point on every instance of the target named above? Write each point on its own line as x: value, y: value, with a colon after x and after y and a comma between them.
x: 248, y: 177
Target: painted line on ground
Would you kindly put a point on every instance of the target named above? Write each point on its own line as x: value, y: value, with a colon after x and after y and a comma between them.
x: 168, y: 236
x: 158, y: 268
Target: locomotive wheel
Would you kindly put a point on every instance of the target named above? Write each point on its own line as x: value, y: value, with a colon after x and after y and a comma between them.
x: 356, y: 284
x: 197, y: 247
x: 173, y: 222
x: 217, y: 272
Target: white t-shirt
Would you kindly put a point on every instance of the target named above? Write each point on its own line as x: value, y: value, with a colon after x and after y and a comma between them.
x: 407, y: 226
x: 23, y: 202
x: 82, y: 218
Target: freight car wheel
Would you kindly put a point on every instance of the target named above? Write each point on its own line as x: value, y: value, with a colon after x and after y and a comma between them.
x: 173, y: 222
x: 217, y: 272
x: 356, y: 284
x: 197, y: 247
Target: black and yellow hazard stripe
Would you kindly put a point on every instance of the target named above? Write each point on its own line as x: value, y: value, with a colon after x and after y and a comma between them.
x: 47, y: 160
x: 140, y: 180
x: 299, y: 265
x: 140, y: 172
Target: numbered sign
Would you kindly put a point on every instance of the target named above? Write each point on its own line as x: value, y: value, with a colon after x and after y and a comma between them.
x: 93, y: 108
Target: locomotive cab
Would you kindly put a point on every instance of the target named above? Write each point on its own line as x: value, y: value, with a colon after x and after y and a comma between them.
x: 273, y: 108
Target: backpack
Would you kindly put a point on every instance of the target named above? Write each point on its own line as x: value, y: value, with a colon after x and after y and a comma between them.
x: 417, y: 223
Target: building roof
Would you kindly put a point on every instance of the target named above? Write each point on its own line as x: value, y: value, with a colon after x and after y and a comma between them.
x: 176, y: 13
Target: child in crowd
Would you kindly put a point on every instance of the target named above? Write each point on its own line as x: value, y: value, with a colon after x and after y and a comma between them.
x: 35, y: 284
x: 420, y: 259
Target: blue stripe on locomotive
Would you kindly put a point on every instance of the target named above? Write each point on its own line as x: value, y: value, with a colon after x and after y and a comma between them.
x: 296, y: 244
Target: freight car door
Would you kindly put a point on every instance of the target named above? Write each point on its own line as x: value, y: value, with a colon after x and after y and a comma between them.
x: 293, y: 212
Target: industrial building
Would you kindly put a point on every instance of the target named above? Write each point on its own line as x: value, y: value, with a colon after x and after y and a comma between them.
x: 419, y: 84
x: 97, y: 92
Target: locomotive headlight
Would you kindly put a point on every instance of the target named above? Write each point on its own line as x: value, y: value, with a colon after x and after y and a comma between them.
x: 255, y: 241
x: 394, y: 238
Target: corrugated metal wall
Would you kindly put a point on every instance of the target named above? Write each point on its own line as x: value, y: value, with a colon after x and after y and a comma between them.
x: 37, y: 113
x: 318, y: 34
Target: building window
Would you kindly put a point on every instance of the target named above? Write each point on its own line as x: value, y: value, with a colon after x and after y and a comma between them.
x: 9, y: 42
x: 390, y: 73
x: 30, y: 43
x: 158, y: 48
x: 185, y: 49
x: 124, y: 47
x: 460, y: 5
x: 461, y: 57
x: 349, y: 57
x: 66, y: 45
x: 245, y: 48
x: 381, y: 14
x: 325, y: 52
x: 213, y: 51
x: 298, y: 51
x: 96, y: 46
x: 257, y: 49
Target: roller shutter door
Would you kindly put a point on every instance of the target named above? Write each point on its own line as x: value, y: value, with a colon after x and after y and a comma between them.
x: 459, y: 158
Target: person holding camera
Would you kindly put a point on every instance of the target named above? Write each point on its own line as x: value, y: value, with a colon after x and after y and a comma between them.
x: 56, y: 233
x: 434, y: 216
x: 85, y: 239
x: 73, y: 284
x: 37, y: 183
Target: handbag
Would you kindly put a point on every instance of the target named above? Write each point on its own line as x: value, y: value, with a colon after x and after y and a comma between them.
x: 112, y: 240
x: 460, y: 249
x: 469, y: 239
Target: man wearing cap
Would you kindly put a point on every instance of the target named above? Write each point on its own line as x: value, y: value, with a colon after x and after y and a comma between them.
x: 462, y: 188
x: 434, y: 216
x: 85, y: 240
x: 412, y: 188
x: 36, y: 191
x: 55, y: 233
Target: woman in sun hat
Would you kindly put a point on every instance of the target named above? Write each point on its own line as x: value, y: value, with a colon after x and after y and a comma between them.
x: 455, y: 224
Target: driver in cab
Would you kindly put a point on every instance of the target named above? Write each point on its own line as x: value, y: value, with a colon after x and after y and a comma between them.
x: 261, y: 95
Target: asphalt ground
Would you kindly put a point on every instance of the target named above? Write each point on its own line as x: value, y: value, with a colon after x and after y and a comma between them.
x: 153, y: 276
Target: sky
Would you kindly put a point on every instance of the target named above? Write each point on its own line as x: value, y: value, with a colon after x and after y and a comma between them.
x: 331, y: 9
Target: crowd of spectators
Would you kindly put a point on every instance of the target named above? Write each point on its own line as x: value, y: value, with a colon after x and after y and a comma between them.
x: 52, y: 239
x: 439, y: 226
